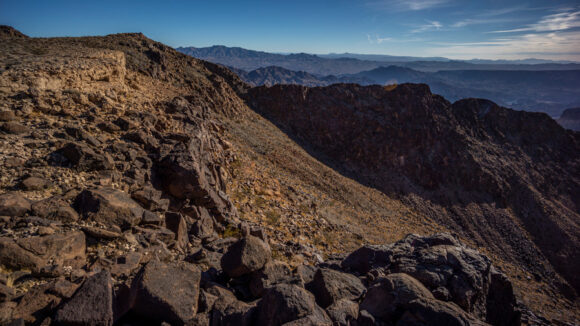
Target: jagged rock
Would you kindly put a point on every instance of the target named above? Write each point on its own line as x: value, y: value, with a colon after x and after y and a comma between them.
x: 55, y: 208
x: 6, y: 310
x: 34, y: 183
x: 126, y: 264
x: 91, y: 305
x: 343, y: 312
x: 435, y: 312
x: 176, y: 223
x: 226, y: 309
x: 108, y: 206
x: 6, y: 293
x: 84, y: 158
x: 150, y: 199
x: 389, y: 295
x: 329, y: 286
x: 203, y: 227
x: 443, y: 265
x: 36, y: 305
x: 167, y: 292
x: 13, y: 204
x: 38, y: 252
x: 247, y: 255
x: 13, y: 127
x: 285, y: 303
x: 99, y: 233
x: 151, y: 218
x: 274, y: 272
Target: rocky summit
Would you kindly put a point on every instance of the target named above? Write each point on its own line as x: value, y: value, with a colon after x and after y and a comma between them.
x: 140, y: 186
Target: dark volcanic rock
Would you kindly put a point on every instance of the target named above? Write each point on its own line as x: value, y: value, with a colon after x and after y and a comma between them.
x: 247, y: 255
x: 285, y: 303
x: 167, y: 292
x: 13, y: 204
x: 84, y: 158
x: 343, y: 312
x: 91, y: 305
x: 109, y: 206
x: 13, y: 127
x: 329, y: 286
x: 274, y: 272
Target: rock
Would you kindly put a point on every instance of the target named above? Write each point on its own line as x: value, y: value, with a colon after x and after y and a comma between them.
x: 151, y: 218
x: 13, y: 204
x: 435, y: 312
x: 55, y: 208
x: 329, y: 286
x: 34, y: 183
x: 203, y: 227
x: 389, y: 295
x: 444, y: 266
x: 36, y: 305
x: 343, y: 312
x: 274, y: 272
x: 150, y: 199
x: 126, y: 264
x: 245, y: 256
x: 91, y: 305
x: 99, y: 233
x: 13, y: 128
x: 6, y: 310
x: 109, y: 206
x: 285, y: 303
x: 7, y: 116
x: 176, y: 223
x: 226, y: 309
x: 167, y: 292
x: 38, y: 252
x: 84, y: 158
x: 6, y: 293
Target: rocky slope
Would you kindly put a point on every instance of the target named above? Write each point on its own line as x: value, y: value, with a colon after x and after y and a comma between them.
x: 276, y: 75
x: 138, y: 188
x: 507, y: 179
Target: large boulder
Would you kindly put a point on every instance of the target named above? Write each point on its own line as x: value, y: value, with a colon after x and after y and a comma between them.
x: 166, y: 292
x: 343, y: 312
x: 84, y: 158
x: 274, y: 272
x: 226, y: 309
x: 38, y: 252
x: 91, y: 305
x: 451, y: 271
x: 109, y: 206
x: 13, y: 204
x: 55, y: 208
x: 330, y: 286
x: 245, y: 256
x: 287, y: 303
x: 435, y: 312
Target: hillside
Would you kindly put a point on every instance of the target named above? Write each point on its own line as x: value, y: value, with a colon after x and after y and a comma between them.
x: 570, y: 119
x: 138, y: 187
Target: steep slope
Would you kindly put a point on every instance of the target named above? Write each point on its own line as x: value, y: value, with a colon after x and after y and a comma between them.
x: 137, y: 188
x: 506, y: 179
x: 570, y: 119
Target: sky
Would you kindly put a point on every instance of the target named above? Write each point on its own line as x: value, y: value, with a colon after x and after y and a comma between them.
x: 456, y: 29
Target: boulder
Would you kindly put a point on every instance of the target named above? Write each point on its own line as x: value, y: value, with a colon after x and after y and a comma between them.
x: 274, y: 272
x: 34, y: 183
x: 91, y: 305
x: 435, y: 312
x: 55, y: 208
x: 84, y: 158
x: 286, y: 303
x: 226, y: 309
x: 166, y: 292
x: 343, y: 312
x: 38, y: 252
x: 176, y: 223
x: 109, y: 206
x: 7, y: 115
x: 13, y: 204
x: 13, y: 127
x: 329, y: 286
x: 391, y: 294
x: 451, y: 271
x: 245, y: 256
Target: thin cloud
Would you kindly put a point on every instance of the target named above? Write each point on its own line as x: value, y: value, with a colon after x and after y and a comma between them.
x: 430, y: 26
x: 555, y: 45
x: 377, y: 39
x: 555, y: 22
x: 407, y: 5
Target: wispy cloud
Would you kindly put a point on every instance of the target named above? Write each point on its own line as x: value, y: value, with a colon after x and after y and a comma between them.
x: 429, y: 26
x: 555, y: 22
x: 554, y: 45
x: 480, y: 21
x: 377, y: 39
x: 407, y: 5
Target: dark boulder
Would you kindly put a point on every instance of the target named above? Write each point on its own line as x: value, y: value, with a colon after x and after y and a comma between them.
x: 84, y: 158
x: 91, y: 305
x: 274, y: 272
x: 245, y: 256
x: 108, y: 206
x: 166, y: 292
x: 329, y: 286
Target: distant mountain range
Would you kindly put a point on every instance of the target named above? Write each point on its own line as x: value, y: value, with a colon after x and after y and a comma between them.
x: 543, y: 86
x: 339, y: 64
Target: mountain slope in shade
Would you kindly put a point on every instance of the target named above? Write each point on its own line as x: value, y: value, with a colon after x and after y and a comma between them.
x: 507, y: 179
x: 570, y: 119
x: 276, y: 75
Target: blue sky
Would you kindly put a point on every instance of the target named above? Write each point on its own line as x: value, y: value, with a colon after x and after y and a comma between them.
x: 459, y: 29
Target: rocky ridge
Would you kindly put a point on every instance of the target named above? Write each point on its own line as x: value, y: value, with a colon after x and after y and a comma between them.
x: 114, y: 209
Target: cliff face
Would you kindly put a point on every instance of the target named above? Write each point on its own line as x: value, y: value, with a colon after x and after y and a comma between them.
x: 508, y: 179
